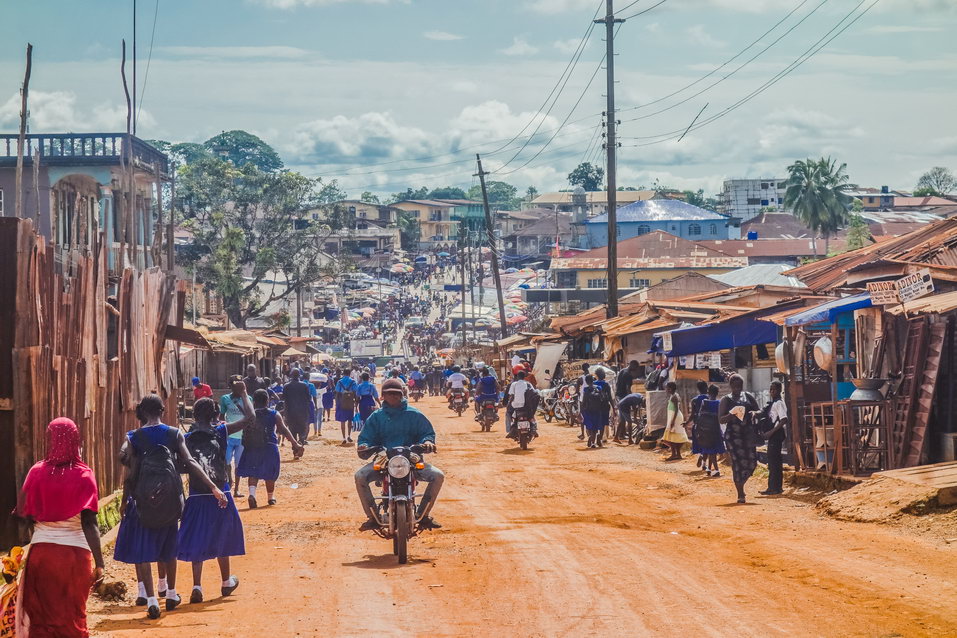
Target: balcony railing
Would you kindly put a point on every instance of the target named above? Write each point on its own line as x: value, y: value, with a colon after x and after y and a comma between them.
x: 78, y: 149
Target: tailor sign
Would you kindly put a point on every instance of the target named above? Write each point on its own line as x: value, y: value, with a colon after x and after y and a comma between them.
x: 883, y: 293
x: 913, y: 286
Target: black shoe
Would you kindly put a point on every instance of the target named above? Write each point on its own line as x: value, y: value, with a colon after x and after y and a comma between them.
x: 252, y: 502
x: 369, y: 525
x: 161, y: 594
x: 153, y: 612
x: 196, y: 597
x: 429, y: 523
x: 173, y: 603
x: 271, y: 501
x: 140, y: 601
x: 226, y: 591
x: 770, y: 492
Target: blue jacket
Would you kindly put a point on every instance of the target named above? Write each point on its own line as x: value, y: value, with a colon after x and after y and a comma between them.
x: 395, y: 427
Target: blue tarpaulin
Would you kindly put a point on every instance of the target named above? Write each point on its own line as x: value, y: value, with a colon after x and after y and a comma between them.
x: 733, y: 333
x: 826, y: 312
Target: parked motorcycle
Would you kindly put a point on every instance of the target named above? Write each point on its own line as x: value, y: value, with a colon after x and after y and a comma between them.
x: 547, y: 406
x: 395, y: 511
x: 488, y: 414
x: 458, y: 402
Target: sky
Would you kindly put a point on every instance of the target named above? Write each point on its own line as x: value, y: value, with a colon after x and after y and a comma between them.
x: 387, y: 94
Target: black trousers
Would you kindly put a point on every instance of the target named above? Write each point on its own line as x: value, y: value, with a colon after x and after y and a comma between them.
x: 775, y: 466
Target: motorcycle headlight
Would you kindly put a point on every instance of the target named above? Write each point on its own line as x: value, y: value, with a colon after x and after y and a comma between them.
x: 399, y: 467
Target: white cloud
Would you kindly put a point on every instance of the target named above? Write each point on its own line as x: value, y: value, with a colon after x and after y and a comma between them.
x: 698, y: 34
x: 57, y: 112
x: 370, y: 136
x: 653, y: 27
x: 442, y: 36
x: 519, y: 46
x: 883, y: 29
x: 568, y: 46
x: 291, y: 4
x: 237, y: 52
x: 559, y: 6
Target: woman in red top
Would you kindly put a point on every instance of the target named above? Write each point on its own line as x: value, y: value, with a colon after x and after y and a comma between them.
x: 59, y: 497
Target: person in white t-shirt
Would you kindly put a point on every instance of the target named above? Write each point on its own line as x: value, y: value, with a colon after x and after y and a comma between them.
x: 515, y: 400
x: 778, y: 414
x: 456, y: 381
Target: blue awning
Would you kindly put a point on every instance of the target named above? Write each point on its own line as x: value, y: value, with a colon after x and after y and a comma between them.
x: 826, y: 312
x: 733, y: 333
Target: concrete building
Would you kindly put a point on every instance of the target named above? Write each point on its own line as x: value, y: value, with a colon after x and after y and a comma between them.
x: 667, y: 215
x: 591, y: 203
x: 745, y: 198
x: 439, y: 228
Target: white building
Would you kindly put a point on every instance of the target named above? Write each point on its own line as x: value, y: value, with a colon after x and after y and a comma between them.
x: 745, y: 198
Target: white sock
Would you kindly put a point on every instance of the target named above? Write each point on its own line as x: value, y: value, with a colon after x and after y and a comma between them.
x: 161, y: 585
x: 269, y: 495
x: 140, y: 589
x: 152, y: 601
x: 170, y: 594
x: 198, y: 588
x: 229, y: 582
x: 252, y: 490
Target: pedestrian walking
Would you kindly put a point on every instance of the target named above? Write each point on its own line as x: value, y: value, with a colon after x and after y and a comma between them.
x: 200, y: 389
x: 368, y: 399
x: 59, y: 498
x: 329, y: 396
x: 777, y: 417
x: 208, y: 531
x: 596, y: 403
x: 707, y: 433
x: 675, y: 435
x: 261, y: 460
x: 297, y: 400
x: 692, y: 420
x: 740, y: 436
x: 346, y: 406
x: 231, y: 407
x: 153, y: 499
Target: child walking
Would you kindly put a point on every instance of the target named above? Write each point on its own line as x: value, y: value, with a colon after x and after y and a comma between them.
x: 261, y: 458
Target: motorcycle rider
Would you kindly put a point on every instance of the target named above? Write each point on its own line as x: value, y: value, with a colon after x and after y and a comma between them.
x: 456, y: 381
x: 397, y: 424
x: 486, y: 389
x: 515, y: 400
x: 417, y: 379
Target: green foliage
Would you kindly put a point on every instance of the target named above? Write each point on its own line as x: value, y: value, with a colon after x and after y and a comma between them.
x: 587, y: 176
x: 249, y: 227
x: 369, y: 198
x: 816, y: 194
x: 242, y: 148
x: 448, y: 192
x: 697, y: 198
x: 531, y: 193
x: 858, y: 234
x: 857, y: 206
x: 501, y: 196
x: 409, y: 230
x: 422, y: 193
x: 938, y: 181
x: 330, y: 193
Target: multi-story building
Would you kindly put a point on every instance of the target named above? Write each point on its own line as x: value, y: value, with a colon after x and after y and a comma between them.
x: 745, y: 198
x: 439, y: 227
x: 669, y: 215
x: 589, y: 203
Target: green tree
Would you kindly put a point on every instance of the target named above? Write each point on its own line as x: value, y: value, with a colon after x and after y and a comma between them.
x: 501, y: 196
x: 817, y: 195
x: 587, y: 176
x: 251, y: 241
x: 448, y: 192
x: 531, y: 194
x: 422, y: 193
x: 409, y: 230
x: 330, y: 193
x: 937, y: 181
x: 369, y: 198
x: 858, y: 233
x: 241, y: 148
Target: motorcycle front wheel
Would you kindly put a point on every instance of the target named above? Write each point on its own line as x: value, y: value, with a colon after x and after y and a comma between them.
x: 400, y: 542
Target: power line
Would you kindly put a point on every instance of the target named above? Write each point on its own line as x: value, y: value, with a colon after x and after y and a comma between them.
x: 635, y: 15
x: 800, y: 60
x: 149, y: 58
x: 741, y: 66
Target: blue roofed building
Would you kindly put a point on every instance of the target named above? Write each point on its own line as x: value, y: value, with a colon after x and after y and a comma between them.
x: 668, y: 215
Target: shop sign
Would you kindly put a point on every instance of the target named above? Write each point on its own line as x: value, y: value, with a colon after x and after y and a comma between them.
x: 915, y: 286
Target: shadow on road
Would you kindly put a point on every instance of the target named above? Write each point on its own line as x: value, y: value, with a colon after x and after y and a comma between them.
x: 385, y: 561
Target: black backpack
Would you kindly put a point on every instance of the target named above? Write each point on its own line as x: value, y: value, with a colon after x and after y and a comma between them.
x: 205, y: 447
x: 254, y: 434
x: 532, y: 399
x: 593, y: 399
x: 157, y: 486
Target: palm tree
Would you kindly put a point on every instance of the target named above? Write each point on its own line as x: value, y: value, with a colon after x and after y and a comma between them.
x: 816, y: 194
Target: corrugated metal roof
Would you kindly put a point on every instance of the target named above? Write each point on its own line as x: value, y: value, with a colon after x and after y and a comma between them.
x: 633, y: 325
x: 592, y: 197
x: 803, y: 247
x: 657, y: 244
x: 655, y: 263
x: 657, y: 210
x: 944, y: 302
x: 760, y: 274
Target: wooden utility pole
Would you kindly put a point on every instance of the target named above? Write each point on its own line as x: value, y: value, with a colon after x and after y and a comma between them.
x: 122, y: 220
x: 134, y: 67
x: 611, y: 146
x: 36, y: 181
x: 170, y: 231
x: 22, y: 139
x: 490, y: 235
x: 462, y: 272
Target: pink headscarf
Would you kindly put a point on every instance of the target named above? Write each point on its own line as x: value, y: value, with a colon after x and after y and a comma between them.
x: 60, y: 486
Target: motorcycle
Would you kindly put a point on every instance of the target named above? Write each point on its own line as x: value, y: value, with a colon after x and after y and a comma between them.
x: 416, y: 392
x: 548, y: 404
x: 488, y: 414
x: 395, y: 511
x: 522, y: 423
x: 458, y: 402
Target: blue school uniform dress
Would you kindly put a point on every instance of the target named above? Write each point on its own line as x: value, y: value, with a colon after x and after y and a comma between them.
x: 208, y: 531
x: 134, y: 542
x: 367, y: 394
x: 345, y: 384
x: 262, y: 462
x: 329, y: 395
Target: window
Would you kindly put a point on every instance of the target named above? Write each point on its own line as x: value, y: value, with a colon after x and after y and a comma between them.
x: 713, y: 229
x: 1, y: 202
x: 565, y: 279
x: 753, y: 201
x: 780, y: 200
x: 764, y: 202
x: 694, y: 229
x: 644, y: 230
x: 764, y: 185
x: 597, y: 283
x: 639, y: 283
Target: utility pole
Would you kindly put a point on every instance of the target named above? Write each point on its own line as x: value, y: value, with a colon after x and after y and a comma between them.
x: 22, y: 139
x: 611, y: 146
x: 489, y: 231
x: 134, y: 67
x: 462, y: 272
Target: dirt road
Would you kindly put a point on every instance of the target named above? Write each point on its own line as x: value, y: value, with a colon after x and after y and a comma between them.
x: 561, y: 541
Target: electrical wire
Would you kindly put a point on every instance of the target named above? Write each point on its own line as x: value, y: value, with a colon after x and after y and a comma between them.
x: 643, y: 11
x: 149, y: 58
x: 790, y: 68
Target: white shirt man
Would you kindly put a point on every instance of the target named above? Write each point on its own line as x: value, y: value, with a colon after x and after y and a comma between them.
x: 457, y: 381
x: 516, y: 360
x: 516, y: 393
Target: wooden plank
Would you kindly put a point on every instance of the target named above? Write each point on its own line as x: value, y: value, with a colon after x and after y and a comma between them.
x: 917, y: 440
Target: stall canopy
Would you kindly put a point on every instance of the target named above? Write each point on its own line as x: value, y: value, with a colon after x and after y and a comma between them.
x: 826, y: 312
